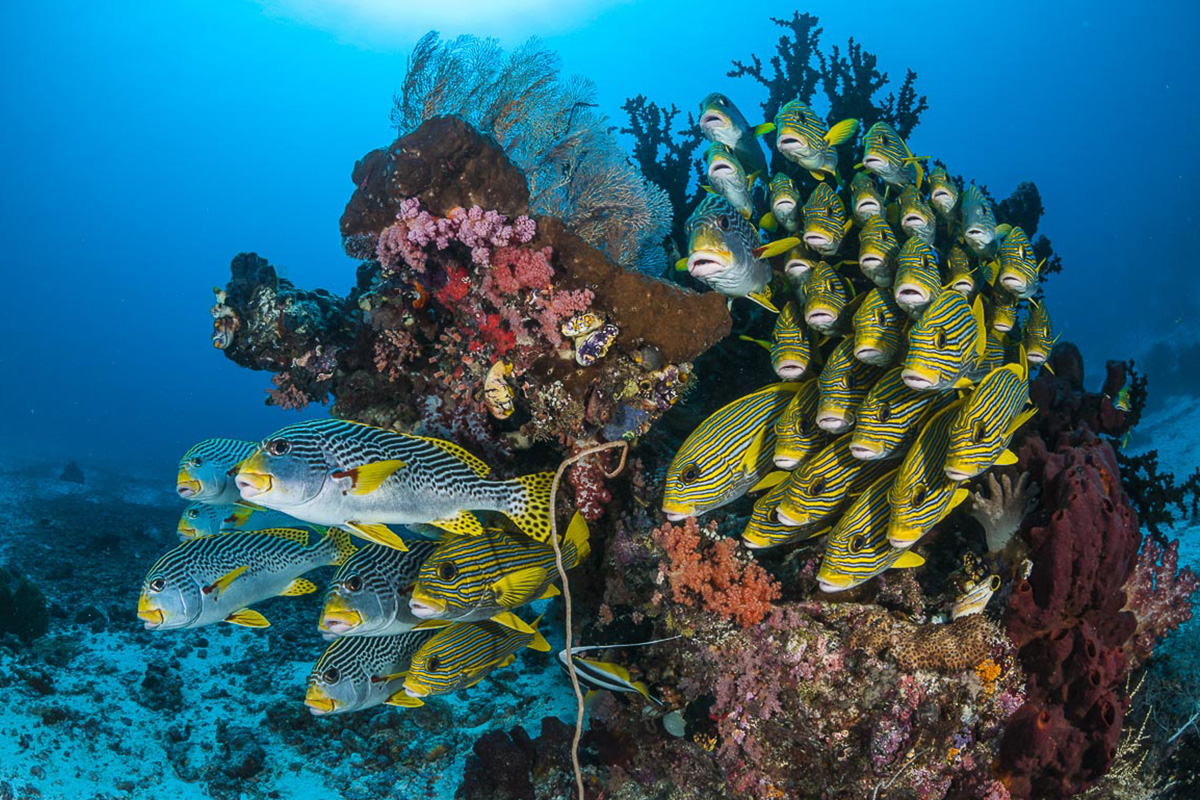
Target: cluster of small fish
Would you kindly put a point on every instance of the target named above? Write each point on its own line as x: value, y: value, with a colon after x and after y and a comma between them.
x: 895, y: 395
x: 407, y: 619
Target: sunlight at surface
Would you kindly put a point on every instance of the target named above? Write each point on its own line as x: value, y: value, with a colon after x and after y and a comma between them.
x: 398, y: 23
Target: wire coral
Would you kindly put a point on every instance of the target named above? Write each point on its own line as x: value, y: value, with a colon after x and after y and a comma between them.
x: 548, y: 126
x: 708, y: 572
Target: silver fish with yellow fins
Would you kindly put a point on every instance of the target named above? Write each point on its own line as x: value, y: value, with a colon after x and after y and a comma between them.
x: 797, y: 435
x: 918, y: 278
x: 877, y: 249
x: 880, y: 329
x: 730, y: 452
x: 785, y: 205
x: 369, y: 594
x: 727, y: 178
x: 1018, y: 266
x: 724, y: 252
x: 202, y: 519
x: 825, y: 221
x: 802, y: 136
x: 821, y: 485
x: 218, y: 578
x: 866, y: 200
x: 721, y: 121
x: 843, y: 384
x: 473, y: 578
x: 364, y: 478
x: 1039, y: 337
x: 986, y: 423
x: 886, y: 156
x: 361, y: 672
x: 857, y: 549
x: 922, y: 495
x: 204, y: 471
x: 890, y: 417
x: 464, y: 653
x: 916, y: 217
x: 945, y: 343
x: 943, y: 193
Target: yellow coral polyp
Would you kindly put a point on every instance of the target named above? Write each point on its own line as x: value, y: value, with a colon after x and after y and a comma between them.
x: 989, y: 672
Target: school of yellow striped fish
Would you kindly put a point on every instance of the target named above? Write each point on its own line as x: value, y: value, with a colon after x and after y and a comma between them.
x: 421, y: 605
x: 898, y: 297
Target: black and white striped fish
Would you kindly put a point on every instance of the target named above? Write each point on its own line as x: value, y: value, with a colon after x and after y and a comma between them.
x: 369, y: 594
x: 359, y: 672
x: 606, y: 675
x: 217, y: 578
x: 204, y: 471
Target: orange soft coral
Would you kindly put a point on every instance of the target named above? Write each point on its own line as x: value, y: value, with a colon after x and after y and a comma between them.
x: 714, y: 575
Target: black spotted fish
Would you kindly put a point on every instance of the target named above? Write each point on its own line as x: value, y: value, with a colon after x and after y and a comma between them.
x: 473, y: 578
x: 1039, y: 336
x: 843, y: 384
x: 721, y: 121
x: 880, y: 329
x: 918, y: 278
x: 785, y: 205
x: 890, y: 417
x: 945, y: 343
x: 922, y: 495
x: 827, y: 301
x: 218, y: 578
x: 984, y: 426
x: 728, y: 454
x: 791, y: 351
x: 363, y: 478
x: 797, y: 435
x: 877, y: 249
x: 801, y: 136
x: 943, y: 193
x: 916, y: 217
x: 727, y: 178
x: 764, y: 530
x: 857, y: 549
x: 1018, y: 266
x: 825, y: 222
x: 866, y: 200
x: 821, y: 485
x: 204, y: 471
x: 360, y: 672
x: 887, y: 157
x: 724, y: 252
x: 369, y: 594
x: 464, y: 653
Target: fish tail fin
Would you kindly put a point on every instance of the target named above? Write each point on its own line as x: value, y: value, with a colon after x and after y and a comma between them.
x: 530, y: 508
x: 343, y: 545
x: 577, y: 536
x: 538, y: 642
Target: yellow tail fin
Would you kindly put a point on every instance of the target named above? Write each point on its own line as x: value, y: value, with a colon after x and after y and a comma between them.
x: 530, y: 508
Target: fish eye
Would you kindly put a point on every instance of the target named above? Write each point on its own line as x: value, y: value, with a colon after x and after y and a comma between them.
x: 919, y: 496
x: 196, y: 461
x: 881, y: 318
x: 803, y: 426
x: 434, y: 664
x: 279, y: 447
x: 723, y: 222
x: 980, y: 432
x: 331, y: 675
x: 818, y: 488
x: 849, y: 381
x: 157, y: 585
x: 192, y: 513
x: 885, y: 412
x: 690, y: 474
x: 353, y: 583
x: 447, y: 571
x: 940, y: 338
x: 857, y: 543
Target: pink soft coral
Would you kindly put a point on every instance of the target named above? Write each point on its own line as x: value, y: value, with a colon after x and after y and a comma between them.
x: 1158, y: 595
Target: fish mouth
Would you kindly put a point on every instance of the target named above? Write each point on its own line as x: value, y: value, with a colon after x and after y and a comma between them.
x: 318, y: 702
x: 253, y: 484
x: 963, y: 287
x: 704, y: 263
x: 787, y: 519
x: 863, y: 453
x: 797, y: 268
x: 830, y: 583
x: 874, y: 162
x: 816, y: 241
x: 151, y: 616
x: 833, y: 422
x: 867, y: 207
x: 1034, y: 357
x: 187, y: 531
x: 784, y: 206
x: 819, y: 318
x: 790, y: 370
x: 719, y: 168
x: 913, y: 221
x: 956, y: 474
x: 786, y: 462
x: 978, y: 235
x: 414, y: 689
x: 901, y: 537
x: 870, y: 262
x: 712, y: 120
x: 423, y: 606
x: 752, y: 542
x: 1014, y: 284
x: 791, y: 144
x: 340, y: 621
x: 941, y: 195
x: 1004, y: 326
x: 914, y: 379
x: 186, y: 486
x: 677, y: 513
x: 868, y: 354
x: 911, y: 294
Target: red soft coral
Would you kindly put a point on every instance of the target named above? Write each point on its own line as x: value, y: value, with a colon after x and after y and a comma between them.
x: 1158, y: 595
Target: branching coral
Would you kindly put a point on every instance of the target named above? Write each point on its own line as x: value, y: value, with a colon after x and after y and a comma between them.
x: 712, y: 574
x: 1158, y: 499
x: 794, y: 75
x: 1002, y: 510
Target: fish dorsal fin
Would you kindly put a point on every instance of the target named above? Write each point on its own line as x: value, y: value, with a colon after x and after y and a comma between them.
x: 520, y: 587
x: 218, y: 587
x: 770, y: 480
x: 291, y: 534
x: 298, y: 587
x: 1021, y: 419
x: 248, y: 618
x: 908, y: 560
x: 464, y: 523
x: 980, y: 327
x: 376, y: 533
x: 404, y: 700
x: 343, y: 547
x: 841, y: 132
x: 477, y: 464
x: 512, y: 621
x: 1006, y: 457
x: 772, y: 249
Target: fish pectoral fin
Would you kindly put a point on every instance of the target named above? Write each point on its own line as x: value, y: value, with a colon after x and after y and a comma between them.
x: 507, y: 661
x: 960, y: 495
x: 644, y: 691
x: 776, y: 247
x: 1003, y: 230
x: 464, y: 523
x: 520, y: 587
x: 1021, y: 419
x: 766, y: 345
x: 770, y: 480
x: 768, y: 222
x: 754, y: 452
x: 841, y: 132
x: 248, y: 505
x: 963, y: 383
x: 248, y: 618
x: 298, y: 587
x: 474, y: 462
x: 818, y: 176
x: 404, y: 700
x: 377, y: 533
x: 369, y: 477
x: 708, y: 188
x: 1006, y: 457
x: 511, y: 620
x: 763, y: 299
x: 393, y: 677
x: 681, y: 265
x: 551, y: 591
x: 764, y: 128
x: 222, y: 583
x: 908, y: 561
